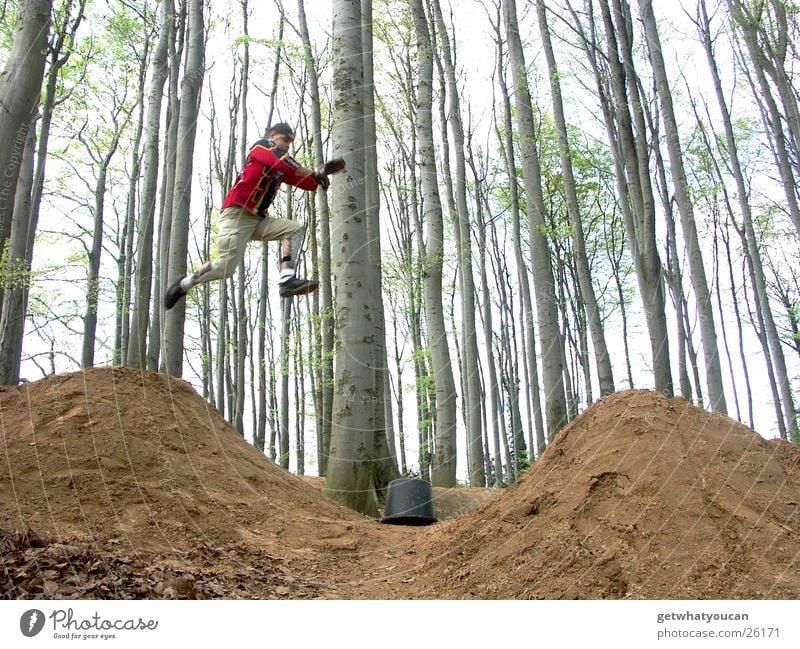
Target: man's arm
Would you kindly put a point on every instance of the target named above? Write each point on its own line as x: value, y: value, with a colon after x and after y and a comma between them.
x: 266, y: 153
x: 307, y: 179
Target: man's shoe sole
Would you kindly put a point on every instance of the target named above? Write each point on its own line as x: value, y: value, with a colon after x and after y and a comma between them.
x: 309, y: 287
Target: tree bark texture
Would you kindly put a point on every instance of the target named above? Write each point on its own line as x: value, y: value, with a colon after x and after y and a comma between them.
x: 544, y: 286
x: 350, y: 469
x: 443, y: 471
x: 179, y: 232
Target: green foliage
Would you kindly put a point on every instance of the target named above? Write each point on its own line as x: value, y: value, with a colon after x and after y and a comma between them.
x: 289, y: 49
x: 392, y: 17
x: 524, y: 461
x: 13, y: 272
x: 124, y: 35
x: 8, y: 28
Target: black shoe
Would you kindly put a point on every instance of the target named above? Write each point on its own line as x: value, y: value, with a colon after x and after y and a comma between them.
x: 174, y: 294
x: 295, y: 286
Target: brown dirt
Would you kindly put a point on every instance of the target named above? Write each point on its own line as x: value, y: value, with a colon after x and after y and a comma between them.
x: 124, y: 484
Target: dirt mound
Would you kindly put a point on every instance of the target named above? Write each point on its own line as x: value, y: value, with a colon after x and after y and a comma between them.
x: 120, y: 483
x: 138, y: 464
x: 641, y: 496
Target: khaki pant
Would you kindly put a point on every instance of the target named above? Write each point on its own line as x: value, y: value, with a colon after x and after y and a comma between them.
x: 237, y: 228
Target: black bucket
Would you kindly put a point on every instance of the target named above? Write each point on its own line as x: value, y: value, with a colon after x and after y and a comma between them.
x: 409, y: 501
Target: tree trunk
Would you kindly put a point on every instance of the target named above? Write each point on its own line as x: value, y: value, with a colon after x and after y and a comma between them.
x: 604, y: 371
x: 17, y: 271
x: 143, y: 280
x: 753, y: 256
x: 125, y: 260
x: 350, y: 470
x: 634, y: 187
x: 176, y: 42
x: 505, y: 137
x: 326, y: 324
x: 20, y: 85
x: 474, y: 396
x: 286, y: 322
x: 242, y: 339
x: 95, y: 250
x: 385, y: 455
x: 697, y: 270
x: 179, y: 232
x: 444, y: 453
x: 15, y: 303
x: 544, y: 288
x: 266, y: 360
x: 494, y: 405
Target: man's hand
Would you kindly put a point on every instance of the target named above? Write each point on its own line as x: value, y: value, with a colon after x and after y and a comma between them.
x: 322, y: 179
x: 333, y: 166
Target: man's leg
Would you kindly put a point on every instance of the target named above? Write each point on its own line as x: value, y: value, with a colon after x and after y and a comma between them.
x: 291, y: 236
x: 235, y: 231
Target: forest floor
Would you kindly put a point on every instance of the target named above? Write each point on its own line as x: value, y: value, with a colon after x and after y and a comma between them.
x: 116, y: 483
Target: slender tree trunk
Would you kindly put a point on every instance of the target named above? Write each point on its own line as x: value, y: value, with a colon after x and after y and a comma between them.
x: 265, y: 364
x: 263, y: 360
x: 179, y: 233
x: 300, y: 408
x: 697, y: 271
x: 93, y: 279
x: 96, y: 247
x: 15, y: 300
x: 242, y: 339
x: 494, y: 406
x: 17, y: 271
x: 400, y: 410
x: 385, y: 453
x: 753, y: 256
x: 176, y: 41
x: 634, y: 184
x: 616, y: 251
x: 673, y: 273
x: 717, y: 256
x: 532, y: 399
x: 20, y: 85
x: 474, y: 395
x: 549, y: 333
x: 604, y: 371
x: 326, y: 324
x: 286, y: 321
x: 444, y: 452
x: 125, y: 261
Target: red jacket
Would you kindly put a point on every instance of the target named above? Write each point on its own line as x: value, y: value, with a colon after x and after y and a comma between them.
x: 256, y: 185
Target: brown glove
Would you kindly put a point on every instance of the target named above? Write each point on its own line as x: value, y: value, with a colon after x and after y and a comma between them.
x: 333, y: 166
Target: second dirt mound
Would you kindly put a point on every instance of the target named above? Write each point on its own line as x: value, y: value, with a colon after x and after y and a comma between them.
x: 642, y: 496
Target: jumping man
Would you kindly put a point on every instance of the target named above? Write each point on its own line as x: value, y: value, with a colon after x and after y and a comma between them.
x: 244, y: 215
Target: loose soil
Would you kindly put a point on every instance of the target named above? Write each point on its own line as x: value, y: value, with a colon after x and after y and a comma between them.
x: 123, y: 484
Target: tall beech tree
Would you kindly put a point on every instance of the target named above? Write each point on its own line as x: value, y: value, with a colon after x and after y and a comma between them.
x: 697, y: 269
x: 191, y: 85
x: 543, y: 282
x: 443, y: 471
x: 350, y: 464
